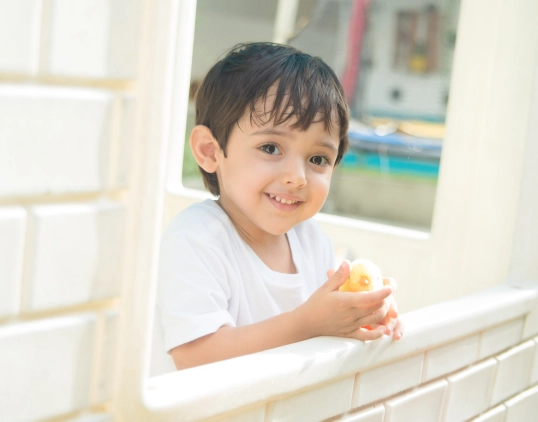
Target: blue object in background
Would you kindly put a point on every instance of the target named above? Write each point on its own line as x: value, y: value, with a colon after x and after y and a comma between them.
x: 394, y: 154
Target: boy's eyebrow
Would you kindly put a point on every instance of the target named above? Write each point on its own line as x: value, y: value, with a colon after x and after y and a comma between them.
x: 274, y: 131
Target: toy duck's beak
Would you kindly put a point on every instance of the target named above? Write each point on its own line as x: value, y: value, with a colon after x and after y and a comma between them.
x: 365, y: 281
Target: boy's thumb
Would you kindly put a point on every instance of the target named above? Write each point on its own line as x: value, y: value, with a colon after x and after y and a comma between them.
x: 340, y: 276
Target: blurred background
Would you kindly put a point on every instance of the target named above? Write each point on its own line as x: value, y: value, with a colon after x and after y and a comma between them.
x: 394, y: 59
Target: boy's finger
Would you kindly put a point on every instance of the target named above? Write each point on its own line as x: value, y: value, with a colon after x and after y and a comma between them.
x: 388, y: 281
x: 365, y: 334
x: 390, y: 323
x: 386, y: 328
x: 393, y: 310
x: 398, y: 329
x: 339, y: 277
x: 369, y: 299
x: 376, y: 317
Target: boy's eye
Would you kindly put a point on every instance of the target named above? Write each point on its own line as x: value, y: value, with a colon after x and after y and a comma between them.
x: 270, y: 149
x: 319, y: 160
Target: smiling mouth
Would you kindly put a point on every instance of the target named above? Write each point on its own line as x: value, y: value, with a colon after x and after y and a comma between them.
x: 282, y: 200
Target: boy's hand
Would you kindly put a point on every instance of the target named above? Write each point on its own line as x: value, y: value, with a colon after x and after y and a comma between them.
x: 334, y: 313
x: 392, y: 322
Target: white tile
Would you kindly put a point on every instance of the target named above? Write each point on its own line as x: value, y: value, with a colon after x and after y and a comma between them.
x: 531, y: 324
x: 256, y: 414
x: 513, y: 372
x: 386, y: 380
x: 445, y: 359
x: 126, y: 140
x: 19, y: 35
x: 94, y: 38
x: 523, y: 407
x: 92, y: 417
x: 438, y: 324
x: 12, y: 232
x: 534, y: 371
x: 75, y: 254
x: 372, y: 414
x: 104, y: 374
x: 497, y: 414
x: 469, y: 391
x: 45, y: 367
x: 314, y: 405
x: 110, y: 228
x: 500, y: 338
x: 54, y: 140
x: 423, y: 404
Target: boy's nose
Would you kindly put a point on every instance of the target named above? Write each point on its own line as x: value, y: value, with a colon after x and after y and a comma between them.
x: 294, y: 173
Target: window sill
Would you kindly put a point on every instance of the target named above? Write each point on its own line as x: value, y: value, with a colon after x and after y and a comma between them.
x: 230, y: 385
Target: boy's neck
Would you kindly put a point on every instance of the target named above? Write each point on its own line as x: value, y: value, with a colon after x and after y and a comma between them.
x: 273, y: 250
x: 276, y: 254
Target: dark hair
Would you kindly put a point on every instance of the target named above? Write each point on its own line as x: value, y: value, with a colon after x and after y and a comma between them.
x: 307, y: 89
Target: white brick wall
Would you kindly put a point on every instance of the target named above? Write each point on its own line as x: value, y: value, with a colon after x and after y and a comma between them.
x: 523, y: 407
x: 93, y: 38
x: 73, y: 254
x: 531, y: 324
x: 497, y: 389
x: 92, y: 417
x: 256, y: 414
x: 12, y: 231
x: 426, y: 402
x: 497, y: 414
x: 53, y: 139
x: 68, y: 97
x: 445, y: 359
x: 46, y: 367
x: 20, y: 26
x: 513, y: 372
x: 499, y: 338
x: 125, y: 144
x: 106, y: 353
x: 373, y: 414
x: 374, y: 384
x: 469, y: 391
x: 314, y: 405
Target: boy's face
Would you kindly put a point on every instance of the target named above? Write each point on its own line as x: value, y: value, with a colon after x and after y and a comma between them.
x: 274, y: 177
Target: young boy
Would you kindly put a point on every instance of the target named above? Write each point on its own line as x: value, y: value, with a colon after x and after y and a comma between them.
x: 246, y: 272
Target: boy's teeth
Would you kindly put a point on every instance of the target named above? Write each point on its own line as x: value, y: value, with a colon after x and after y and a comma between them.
x: 283, y: 201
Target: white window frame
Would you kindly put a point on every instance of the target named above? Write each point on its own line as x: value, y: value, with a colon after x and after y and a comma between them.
x: 479, y: 180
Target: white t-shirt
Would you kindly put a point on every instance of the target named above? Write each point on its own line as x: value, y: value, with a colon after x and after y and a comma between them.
x: 209, y: 277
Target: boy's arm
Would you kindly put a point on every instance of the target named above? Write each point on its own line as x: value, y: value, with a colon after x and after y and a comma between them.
x: 327, y: 312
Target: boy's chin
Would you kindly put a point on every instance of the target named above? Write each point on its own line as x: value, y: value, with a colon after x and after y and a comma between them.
x: 278, y: 230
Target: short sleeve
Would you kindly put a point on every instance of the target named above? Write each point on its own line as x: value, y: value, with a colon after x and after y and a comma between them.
x: 193, y: 292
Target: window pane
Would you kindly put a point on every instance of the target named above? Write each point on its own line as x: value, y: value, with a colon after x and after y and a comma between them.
x: 394, y: 59
x: 219, y: 26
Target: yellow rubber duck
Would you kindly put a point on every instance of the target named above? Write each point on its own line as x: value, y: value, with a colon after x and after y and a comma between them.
x: 364, y: 276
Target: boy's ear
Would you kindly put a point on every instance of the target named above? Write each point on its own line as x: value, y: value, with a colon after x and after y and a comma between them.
x: 205, y: 148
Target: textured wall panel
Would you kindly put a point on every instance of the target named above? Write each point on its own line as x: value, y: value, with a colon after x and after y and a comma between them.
x: 20, y: 23
x: 12, y: 231
x: 53, y: 140
x: 45, y: 367
x: 93, y: 38
x: 74, y: 254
